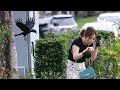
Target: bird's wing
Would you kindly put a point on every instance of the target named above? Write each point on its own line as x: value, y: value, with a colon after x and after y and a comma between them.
x: 20, y: 24
x: 30, y: 22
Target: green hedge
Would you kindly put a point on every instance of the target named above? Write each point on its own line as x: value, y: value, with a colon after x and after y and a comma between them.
x: 107, y: 64
x: 105, y: 34
x: 51, y: 56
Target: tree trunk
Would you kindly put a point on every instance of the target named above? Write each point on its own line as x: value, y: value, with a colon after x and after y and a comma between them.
x: 13, y: 70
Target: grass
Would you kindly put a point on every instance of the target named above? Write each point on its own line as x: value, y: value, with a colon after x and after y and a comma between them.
x: 82, y: 21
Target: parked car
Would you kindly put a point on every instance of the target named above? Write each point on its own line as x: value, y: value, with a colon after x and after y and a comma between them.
x: 112, y: 17
x: 107, y: 26
x: 59, y: 23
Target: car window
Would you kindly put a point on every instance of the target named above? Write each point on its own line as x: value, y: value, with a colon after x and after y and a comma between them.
x: 62, y: 21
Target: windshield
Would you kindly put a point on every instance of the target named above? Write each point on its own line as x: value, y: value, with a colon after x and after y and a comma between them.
x: 62, y: 21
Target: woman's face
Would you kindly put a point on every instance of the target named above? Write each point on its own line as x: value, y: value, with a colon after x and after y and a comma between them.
x: 90, y: 40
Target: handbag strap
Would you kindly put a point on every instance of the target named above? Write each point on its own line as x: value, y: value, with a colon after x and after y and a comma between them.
x: 89, y: 61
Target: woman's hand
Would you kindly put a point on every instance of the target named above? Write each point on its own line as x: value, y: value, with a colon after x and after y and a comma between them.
x: 90, y: 49
x: 93, y: 52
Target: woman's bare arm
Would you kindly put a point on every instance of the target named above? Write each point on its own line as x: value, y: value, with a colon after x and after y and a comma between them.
x: 76, y: 54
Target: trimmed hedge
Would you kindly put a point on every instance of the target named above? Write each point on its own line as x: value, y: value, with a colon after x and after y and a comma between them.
x: 51, y: 56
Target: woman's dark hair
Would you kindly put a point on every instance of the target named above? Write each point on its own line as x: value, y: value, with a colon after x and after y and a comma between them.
x: 88, y: 32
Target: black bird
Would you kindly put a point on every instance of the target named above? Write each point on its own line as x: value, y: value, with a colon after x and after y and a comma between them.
x: 27, y: 27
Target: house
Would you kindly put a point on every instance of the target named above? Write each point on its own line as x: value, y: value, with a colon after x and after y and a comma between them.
x: 25, y: 53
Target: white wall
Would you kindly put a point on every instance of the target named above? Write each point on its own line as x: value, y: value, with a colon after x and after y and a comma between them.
x: 21, y: 44
x: 34, y: 36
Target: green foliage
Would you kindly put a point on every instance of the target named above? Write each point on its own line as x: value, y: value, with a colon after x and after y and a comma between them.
x: 50, y: 35
x: 4, y: 38
x: 4, y: 34
x: 70, y: 36
x: 29, y: 75
x: 51, y: 55
x: 105, y: 34
x: 49, y: 59
x: 107, y: 64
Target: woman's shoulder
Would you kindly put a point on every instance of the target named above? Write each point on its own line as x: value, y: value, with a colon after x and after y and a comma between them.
x: 76, y: 41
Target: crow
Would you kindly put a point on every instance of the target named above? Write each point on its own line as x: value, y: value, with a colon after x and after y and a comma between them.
x: 27, y: 27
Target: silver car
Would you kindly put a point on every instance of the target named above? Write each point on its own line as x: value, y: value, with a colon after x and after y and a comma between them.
x: 59, y: 23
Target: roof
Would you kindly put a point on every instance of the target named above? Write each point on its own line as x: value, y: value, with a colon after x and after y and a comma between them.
x: 110, y: 14
x: 62, y: 15
x: 108, y: 26
x: 47, y: 19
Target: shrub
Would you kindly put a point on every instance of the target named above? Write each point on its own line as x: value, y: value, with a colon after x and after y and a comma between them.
x: 49, y: 58
x: 107, y: 63
x: 4, y: 37
x: 51, y: 55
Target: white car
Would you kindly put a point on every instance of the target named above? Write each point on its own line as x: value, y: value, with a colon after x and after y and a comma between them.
x: 112, y: 17
x: 59, y: 23
x: 107, y: 26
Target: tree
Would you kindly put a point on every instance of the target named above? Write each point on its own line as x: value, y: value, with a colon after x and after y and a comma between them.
x: 12, y: 62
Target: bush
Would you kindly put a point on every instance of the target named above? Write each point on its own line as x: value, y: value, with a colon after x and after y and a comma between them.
x: 51, y: 55
x: 50, y: 58
x: 107, y: 63
x: 4, y: 38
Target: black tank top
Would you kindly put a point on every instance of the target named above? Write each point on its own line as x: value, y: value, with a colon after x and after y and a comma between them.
x: 78, y: 42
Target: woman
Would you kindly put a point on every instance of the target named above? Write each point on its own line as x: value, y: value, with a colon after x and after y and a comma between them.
x: 81, y: 48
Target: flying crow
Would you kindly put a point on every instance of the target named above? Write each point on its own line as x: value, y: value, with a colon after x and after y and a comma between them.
x: 27, y: 27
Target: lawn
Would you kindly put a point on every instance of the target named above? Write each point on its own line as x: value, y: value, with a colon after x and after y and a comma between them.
x: 82, y: 21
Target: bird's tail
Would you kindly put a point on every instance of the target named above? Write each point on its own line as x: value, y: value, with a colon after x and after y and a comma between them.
x: 18, y: 34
